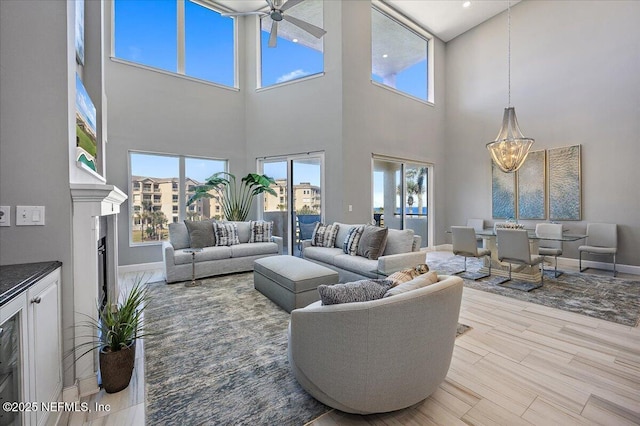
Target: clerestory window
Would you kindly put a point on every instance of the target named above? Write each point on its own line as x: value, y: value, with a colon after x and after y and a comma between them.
x: 185, y: 37
x: 400, y: 54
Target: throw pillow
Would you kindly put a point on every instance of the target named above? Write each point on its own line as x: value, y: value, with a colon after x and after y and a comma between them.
x: 357, y: 291
x: 399, y: 241
x: 372, y: 242
x: 260, y: 231
x: 179, y: 235
x: 350, y: 245
x: 226, y: 233
x: 200, y: 233
x: 423, y: 280
x: 324, y: 235
x: 403, y: 276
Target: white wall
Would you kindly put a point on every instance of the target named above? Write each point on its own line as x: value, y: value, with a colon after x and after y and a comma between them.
x: 36, y: 70
x: 575, y: 79
x: 157, y: 112
x: 378, y: 121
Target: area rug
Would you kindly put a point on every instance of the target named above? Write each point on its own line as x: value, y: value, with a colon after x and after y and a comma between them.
x: 607, y: 298
x: 218, y: 355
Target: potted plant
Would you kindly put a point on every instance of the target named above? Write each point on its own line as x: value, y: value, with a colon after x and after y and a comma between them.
x: 236, y: 200
x: 117, y: 328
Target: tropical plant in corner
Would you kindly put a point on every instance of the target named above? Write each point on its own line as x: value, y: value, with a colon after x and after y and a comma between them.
x: 235, y: 199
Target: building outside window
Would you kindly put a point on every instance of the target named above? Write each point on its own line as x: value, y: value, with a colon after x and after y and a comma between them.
x: 150, y: 215
x: 202, y: 46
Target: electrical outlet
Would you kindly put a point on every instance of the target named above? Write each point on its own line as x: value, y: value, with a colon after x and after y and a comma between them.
x: 5, y: 216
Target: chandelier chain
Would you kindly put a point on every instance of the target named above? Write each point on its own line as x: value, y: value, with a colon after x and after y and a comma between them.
x: 509, y: 49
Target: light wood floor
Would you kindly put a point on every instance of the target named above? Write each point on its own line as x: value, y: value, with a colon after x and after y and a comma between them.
x: 520, y: 364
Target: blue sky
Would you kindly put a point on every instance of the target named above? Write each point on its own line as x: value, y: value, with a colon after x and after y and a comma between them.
x: 146, y: 33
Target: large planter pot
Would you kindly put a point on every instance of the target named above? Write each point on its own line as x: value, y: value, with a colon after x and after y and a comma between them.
x: 116, y: 368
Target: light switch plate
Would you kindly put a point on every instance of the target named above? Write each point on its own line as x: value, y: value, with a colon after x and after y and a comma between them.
x: 5, y: 216
x: 29, y: 215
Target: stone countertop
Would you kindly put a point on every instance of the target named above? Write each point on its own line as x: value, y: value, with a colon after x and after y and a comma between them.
x: 14, y: 279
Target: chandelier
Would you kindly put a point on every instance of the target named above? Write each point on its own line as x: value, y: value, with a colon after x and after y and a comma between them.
x: 510, y: 148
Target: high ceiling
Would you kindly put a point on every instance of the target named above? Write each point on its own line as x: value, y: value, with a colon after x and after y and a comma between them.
x: 446, y: 19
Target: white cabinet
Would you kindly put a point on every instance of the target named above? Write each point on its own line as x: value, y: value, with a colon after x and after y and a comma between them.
x: 45, y: 338
x: 36, y: 312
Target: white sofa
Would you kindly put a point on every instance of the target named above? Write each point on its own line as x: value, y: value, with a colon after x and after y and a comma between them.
x: 402, y: 251
x: 376, y: 356
x: 213, y: 260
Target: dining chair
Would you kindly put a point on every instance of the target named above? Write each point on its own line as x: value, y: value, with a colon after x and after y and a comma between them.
x: 602, y: 239
x: 477, y: 225
x: 551, y: 246
x: 513, y: 247
x: 465, y: 244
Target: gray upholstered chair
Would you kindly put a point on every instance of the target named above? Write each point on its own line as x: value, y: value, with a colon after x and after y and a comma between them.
x: 513, y: 247
x: 477, y: 225
x: 602, y: 239
x: 465, y: 244
x: 550, y: 247
x: 376, y: 356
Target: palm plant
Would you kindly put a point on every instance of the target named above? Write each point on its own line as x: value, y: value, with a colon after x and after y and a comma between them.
x: 235, y: 200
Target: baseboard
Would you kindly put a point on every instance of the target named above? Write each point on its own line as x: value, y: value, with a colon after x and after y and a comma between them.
x: 88, y: 386
x: 71, y: 393
x: 140, y: 267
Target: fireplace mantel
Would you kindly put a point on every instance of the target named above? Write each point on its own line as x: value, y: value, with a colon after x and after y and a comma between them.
x: 91, y: 201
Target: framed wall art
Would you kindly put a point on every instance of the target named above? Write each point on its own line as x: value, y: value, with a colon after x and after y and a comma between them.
x: 565, y: 183
x: 503, y: 193
x: 531, y: 181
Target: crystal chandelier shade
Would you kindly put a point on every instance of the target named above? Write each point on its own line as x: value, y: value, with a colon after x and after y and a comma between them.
x: 510, y: 148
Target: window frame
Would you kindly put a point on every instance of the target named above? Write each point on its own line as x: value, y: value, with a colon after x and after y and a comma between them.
x: 182, y: 190
x: 410, y: 25
x: 181, y: 45
x: 259, y: 86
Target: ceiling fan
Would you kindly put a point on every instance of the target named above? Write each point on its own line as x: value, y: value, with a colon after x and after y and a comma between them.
x: 277, y: 14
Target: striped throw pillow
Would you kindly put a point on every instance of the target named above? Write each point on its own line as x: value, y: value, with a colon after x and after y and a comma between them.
x: 350, y: 245
x: 261, y: 231
x: 324, y: 235
x: 226, y: 234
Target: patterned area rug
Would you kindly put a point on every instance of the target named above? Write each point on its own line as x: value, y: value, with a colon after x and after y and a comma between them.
x: 608, y: 298
x: 219, y: 356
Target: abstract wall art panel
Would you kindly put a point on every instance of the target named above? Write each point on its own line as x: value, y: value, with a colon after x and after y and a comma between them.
x: 503, y: 193
x: 565, y: 185
x: 531, y: 187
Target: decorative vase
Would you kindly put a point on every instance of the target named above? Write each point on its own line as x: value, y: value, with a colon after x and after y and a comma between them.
x: 116, y: 368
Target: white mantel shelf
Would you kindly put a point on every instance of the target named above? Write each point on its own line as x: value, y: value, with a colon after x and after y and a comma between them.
x: 106, y: 199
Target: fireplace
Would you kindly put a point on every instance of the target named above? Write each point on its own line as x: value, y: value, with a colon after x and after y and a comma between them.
x: 95, y: 263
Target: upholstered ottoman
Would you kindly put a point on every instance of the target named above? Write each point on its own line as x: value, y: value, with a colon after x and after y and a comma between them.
x: 290, y: 282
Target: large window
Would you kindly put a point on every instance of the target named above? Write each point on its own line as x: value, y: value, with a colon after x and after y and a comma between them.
x: 183, y: 37
x: 401, y: 195
x: 298, y: 54
x: 153, y: 203
x: 399, y: 54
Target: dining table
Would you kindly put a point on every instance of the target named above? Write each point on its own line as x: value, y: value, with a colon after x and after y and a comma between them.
x: 522, y: 272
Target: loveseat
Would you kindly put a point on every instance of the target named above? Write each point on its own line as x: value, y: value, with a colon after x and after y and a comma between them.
x: 379, y: 355
x: 213, y: 260
x: 401, y: 251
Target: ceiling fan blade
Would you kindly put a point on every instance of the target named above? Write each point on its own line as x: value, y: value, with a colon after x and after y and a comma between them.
x: 317, y: 32
x: 243, y: 13
x: 270, y: 3
x: 273, y: 37
x: 290, y: 4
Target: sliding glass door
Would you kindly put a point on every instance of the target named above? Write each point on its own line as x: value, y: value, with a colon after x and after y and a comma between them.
x: 299, y: 179
x: 401, y: 195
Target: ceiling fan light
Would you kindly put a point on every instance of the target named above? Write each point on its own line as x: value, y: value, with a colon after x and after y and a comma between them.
x: 510, y: 148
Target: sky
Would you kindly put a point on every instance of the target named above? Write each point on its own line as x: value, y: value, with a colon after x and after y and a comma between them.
x: 146, y: 33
